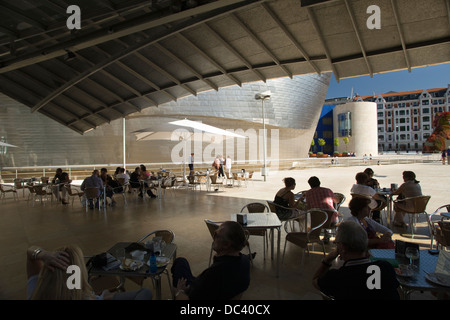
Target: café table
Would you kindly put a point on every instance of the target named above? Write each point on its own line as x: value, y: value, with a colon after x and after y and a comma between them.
x: 387, y: 192
x: 169, y: 250
x: 266, y: 220
x: 426, y: 265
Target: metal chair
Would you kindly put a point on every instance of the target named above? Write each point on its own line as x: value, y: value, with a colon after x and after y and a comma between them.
x: 434, y: 227
x: 120, y: 189
x: 168, y: 183
x: 443, y: 234
x: 413, y: 206
x: 237, y: 177
x: 256, y: 207
x: 214, y: 184
x: 193, y: 182
x: 339, y: 199
x: 4, y: 189
x: 92, y: 193
x: 318, y: 218
x: 41, y: 191
x: 74, y: 192
x: 18, y: 184
x: 229, y: 177
x: 283, y: 213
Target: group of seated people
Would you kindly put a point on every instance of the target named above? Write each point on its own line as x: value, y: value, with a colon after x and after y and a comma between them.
x: 227, y: 278
x: 356, y: 234
x: 365, y: 205
x: 141, y: 174
x: 288, y: 207
x: 118, y: 182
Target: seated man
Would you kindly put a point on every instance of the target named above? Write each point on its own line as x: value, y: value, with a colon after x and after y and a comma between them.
x: 60, y: 179
x: 226, y: 278
x: 134, y: 178
x: 322, y: 198
x: 93, y: 181
x: 351, y: 281
x: 319, y: 197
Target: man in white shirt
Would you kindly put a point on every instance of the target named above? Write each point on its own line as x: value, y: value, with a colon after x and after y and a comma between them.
x: 191, y: 163
x: 228, y: 163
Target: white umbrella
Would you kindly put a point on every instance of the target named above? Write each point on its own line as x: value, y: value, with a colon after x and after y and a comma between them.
x: 182, y: 130
x: 3, y: 144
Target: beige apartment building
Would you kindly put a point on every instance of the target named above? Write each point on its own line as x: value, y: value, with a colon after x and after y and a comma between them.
x: 405, y: 119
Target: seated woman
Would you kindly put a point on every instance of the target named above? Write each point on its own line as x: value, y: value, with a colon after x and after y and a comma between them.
x: 361, y: 189
x: 410, y: 188
x: 373, y: 183
x: 285, y: 198
x: 379, y: 236
x: 47, y: 277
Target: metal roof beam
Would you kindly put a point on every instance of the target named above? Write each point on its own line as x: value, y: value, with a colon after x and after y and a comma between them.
x: 165, y: 73
x: 316, y: 26
x: 400, y: 33
x: 358, y: 37
x: 211, y: 60
x: 252, y: 35
x: 185, y: 65
x: 290, y: 36
x: 211, y: 10
x: 122, y: 54
x: 234, y: 52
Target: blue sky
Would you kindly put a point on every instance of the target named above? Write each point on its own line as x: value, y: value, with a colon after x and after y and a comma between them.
x: 437, y: 76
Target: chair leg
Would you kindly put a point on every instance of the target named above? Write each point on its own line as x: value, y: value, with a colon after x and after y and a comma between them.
x: 284, y: 251
x: 172, y: 292
x: 250, y: 253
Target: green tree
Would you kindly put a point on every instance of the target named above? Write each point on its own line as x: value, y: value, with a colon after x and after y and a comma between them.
x: 346, y: 140
x: 321, y: 143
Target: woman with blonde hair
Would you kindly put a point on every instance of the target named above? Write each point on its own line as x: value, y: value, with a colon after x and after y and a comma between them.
x: 47, y: 277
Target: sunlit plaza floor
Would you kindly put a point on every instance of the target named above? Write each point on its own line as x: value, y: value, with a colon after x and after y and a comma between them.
x: 51, y: 225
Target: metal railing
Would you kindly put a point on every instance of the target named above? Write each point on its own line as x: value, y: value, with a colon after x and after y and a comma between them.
x: 79, y: 172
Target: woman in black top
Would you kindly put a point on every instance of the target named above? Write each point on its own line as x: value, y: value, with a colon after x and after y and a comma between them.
x: 285, y: 198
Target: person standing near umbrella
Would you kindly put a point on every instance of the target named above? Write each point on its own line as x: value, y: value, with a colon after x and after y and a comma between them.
x: 191, y: 164
x: 228, y: 163
x: 221, y: 162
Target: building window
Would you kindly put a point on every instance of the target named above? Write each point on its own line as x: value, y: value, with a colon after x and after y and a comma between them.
x: 327, y: 121
x: 345, y: 124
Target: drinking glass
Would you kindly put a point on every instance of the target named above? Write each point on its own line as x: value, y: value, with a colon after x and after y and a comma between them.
x: 412, y: 254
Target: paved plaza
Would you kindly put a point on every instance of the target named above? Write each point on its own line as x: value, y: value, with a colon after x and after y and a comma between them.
x: 51, y: 225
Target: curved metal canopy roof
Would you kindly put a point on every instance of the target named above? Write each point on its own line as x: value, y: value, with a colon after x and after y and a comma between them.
x: 135, y: 54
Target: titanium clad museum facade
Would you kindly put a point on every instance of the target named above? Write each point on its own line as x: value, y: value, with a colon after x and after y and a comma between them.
x: 291, y: 116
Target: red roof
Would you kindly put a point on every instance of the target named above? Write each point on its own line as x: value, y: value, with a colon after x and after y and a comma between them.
x: 393, y: 94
